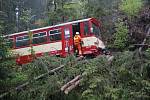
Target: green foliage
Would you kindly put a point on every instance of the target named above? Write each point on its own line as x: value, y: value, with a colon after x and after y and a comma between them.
x: 6, y: 13
x: 120, y: 80
x: 9, y: 77
x: 91, y: 8
x: 47, y: 86
x: 1, y: 26
x: 12, y: 79
x: 121, y: 36
x: 101, y: 80
x: 32, y: 52
x: 131, y: 7
x: 25, y: 19
x: 3, y: 48
x: 127, y: 77
x: 66, y: 11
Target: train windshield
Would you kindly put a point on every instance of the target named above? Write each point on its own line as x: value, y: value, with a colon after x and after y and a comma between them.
x: 95, y: 29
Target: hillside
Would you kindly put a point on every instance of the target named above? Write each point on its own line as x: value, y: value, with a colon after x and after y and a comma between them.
x: 125, y: 30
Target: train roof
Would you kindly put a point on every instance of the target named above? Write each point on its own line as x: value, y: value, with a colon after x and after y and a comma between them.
x: 72, y: 22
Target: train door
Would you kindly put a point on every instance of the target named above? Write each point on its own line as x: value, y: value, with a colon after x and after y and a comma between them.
x: 76, y: 27
x: 68, y: 40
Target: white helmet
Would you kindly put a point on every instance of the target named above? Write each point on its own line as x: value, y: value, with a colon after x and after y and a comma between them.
x: 77, y: 33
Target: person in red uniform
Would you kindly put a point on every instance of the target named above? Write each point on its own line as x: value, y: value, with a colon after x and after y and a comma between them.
x: 77, y: 43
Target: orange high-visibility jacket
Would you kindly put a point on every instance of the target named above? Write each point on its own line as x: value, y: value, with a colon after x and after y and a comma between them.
x: 77, y: 39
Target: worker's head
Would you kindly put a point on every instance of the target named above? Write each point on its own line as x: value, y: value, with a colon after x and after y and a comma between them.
x: 77, y: 33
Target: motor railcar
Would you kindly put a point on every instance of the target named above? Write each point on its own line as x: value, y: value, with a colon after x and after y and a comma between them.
x: 58, y: 40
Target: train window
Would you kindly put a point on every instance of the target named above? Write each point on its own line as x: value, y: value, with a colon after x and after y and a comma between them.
x: 55, y: 35
x: 95, y: 30
x: 67, y: 33
x: 86, y: 28
x: 22, y: 41
x: 39, y: 38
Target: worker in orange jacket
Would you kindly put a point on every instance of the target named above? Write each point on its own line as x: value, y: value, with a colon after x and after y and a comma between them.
x: 77, y: 43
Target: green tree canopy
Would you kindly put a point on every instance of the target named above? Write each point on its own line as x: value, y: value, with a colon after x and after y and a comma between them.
x: 131, y: 7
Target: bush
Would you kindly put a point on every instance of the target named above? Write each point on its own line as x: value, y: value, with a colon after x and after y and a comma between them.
x: 131, y: 7
x: 121, y: 36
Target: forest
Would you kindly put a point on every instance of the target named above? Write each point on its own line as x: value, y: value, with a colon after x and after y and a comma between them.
x: 125, y: 30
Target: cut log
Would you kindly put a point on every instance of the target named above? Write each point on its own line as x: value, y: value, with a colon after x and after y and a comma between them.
x: 144, y: 41
x: 36, y: 78
x: 80, y: 58
x: 70, y: 82
x: 110, y: 58
x: 141, y: 44
x: 67, y: 90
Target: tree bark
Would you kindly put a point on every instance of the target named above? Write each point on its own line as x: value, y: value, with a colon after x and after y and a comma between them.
x: 63, y: 88
x: 36, y: 78
x: 72, y: 87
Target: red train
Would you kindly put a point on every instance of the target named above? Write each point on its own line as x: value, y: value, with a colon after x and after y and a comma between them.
x: 58, y: 40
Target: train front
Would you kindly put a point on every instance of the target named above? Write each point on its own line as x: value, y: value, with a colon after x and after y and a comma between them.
x: 92, y: 42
